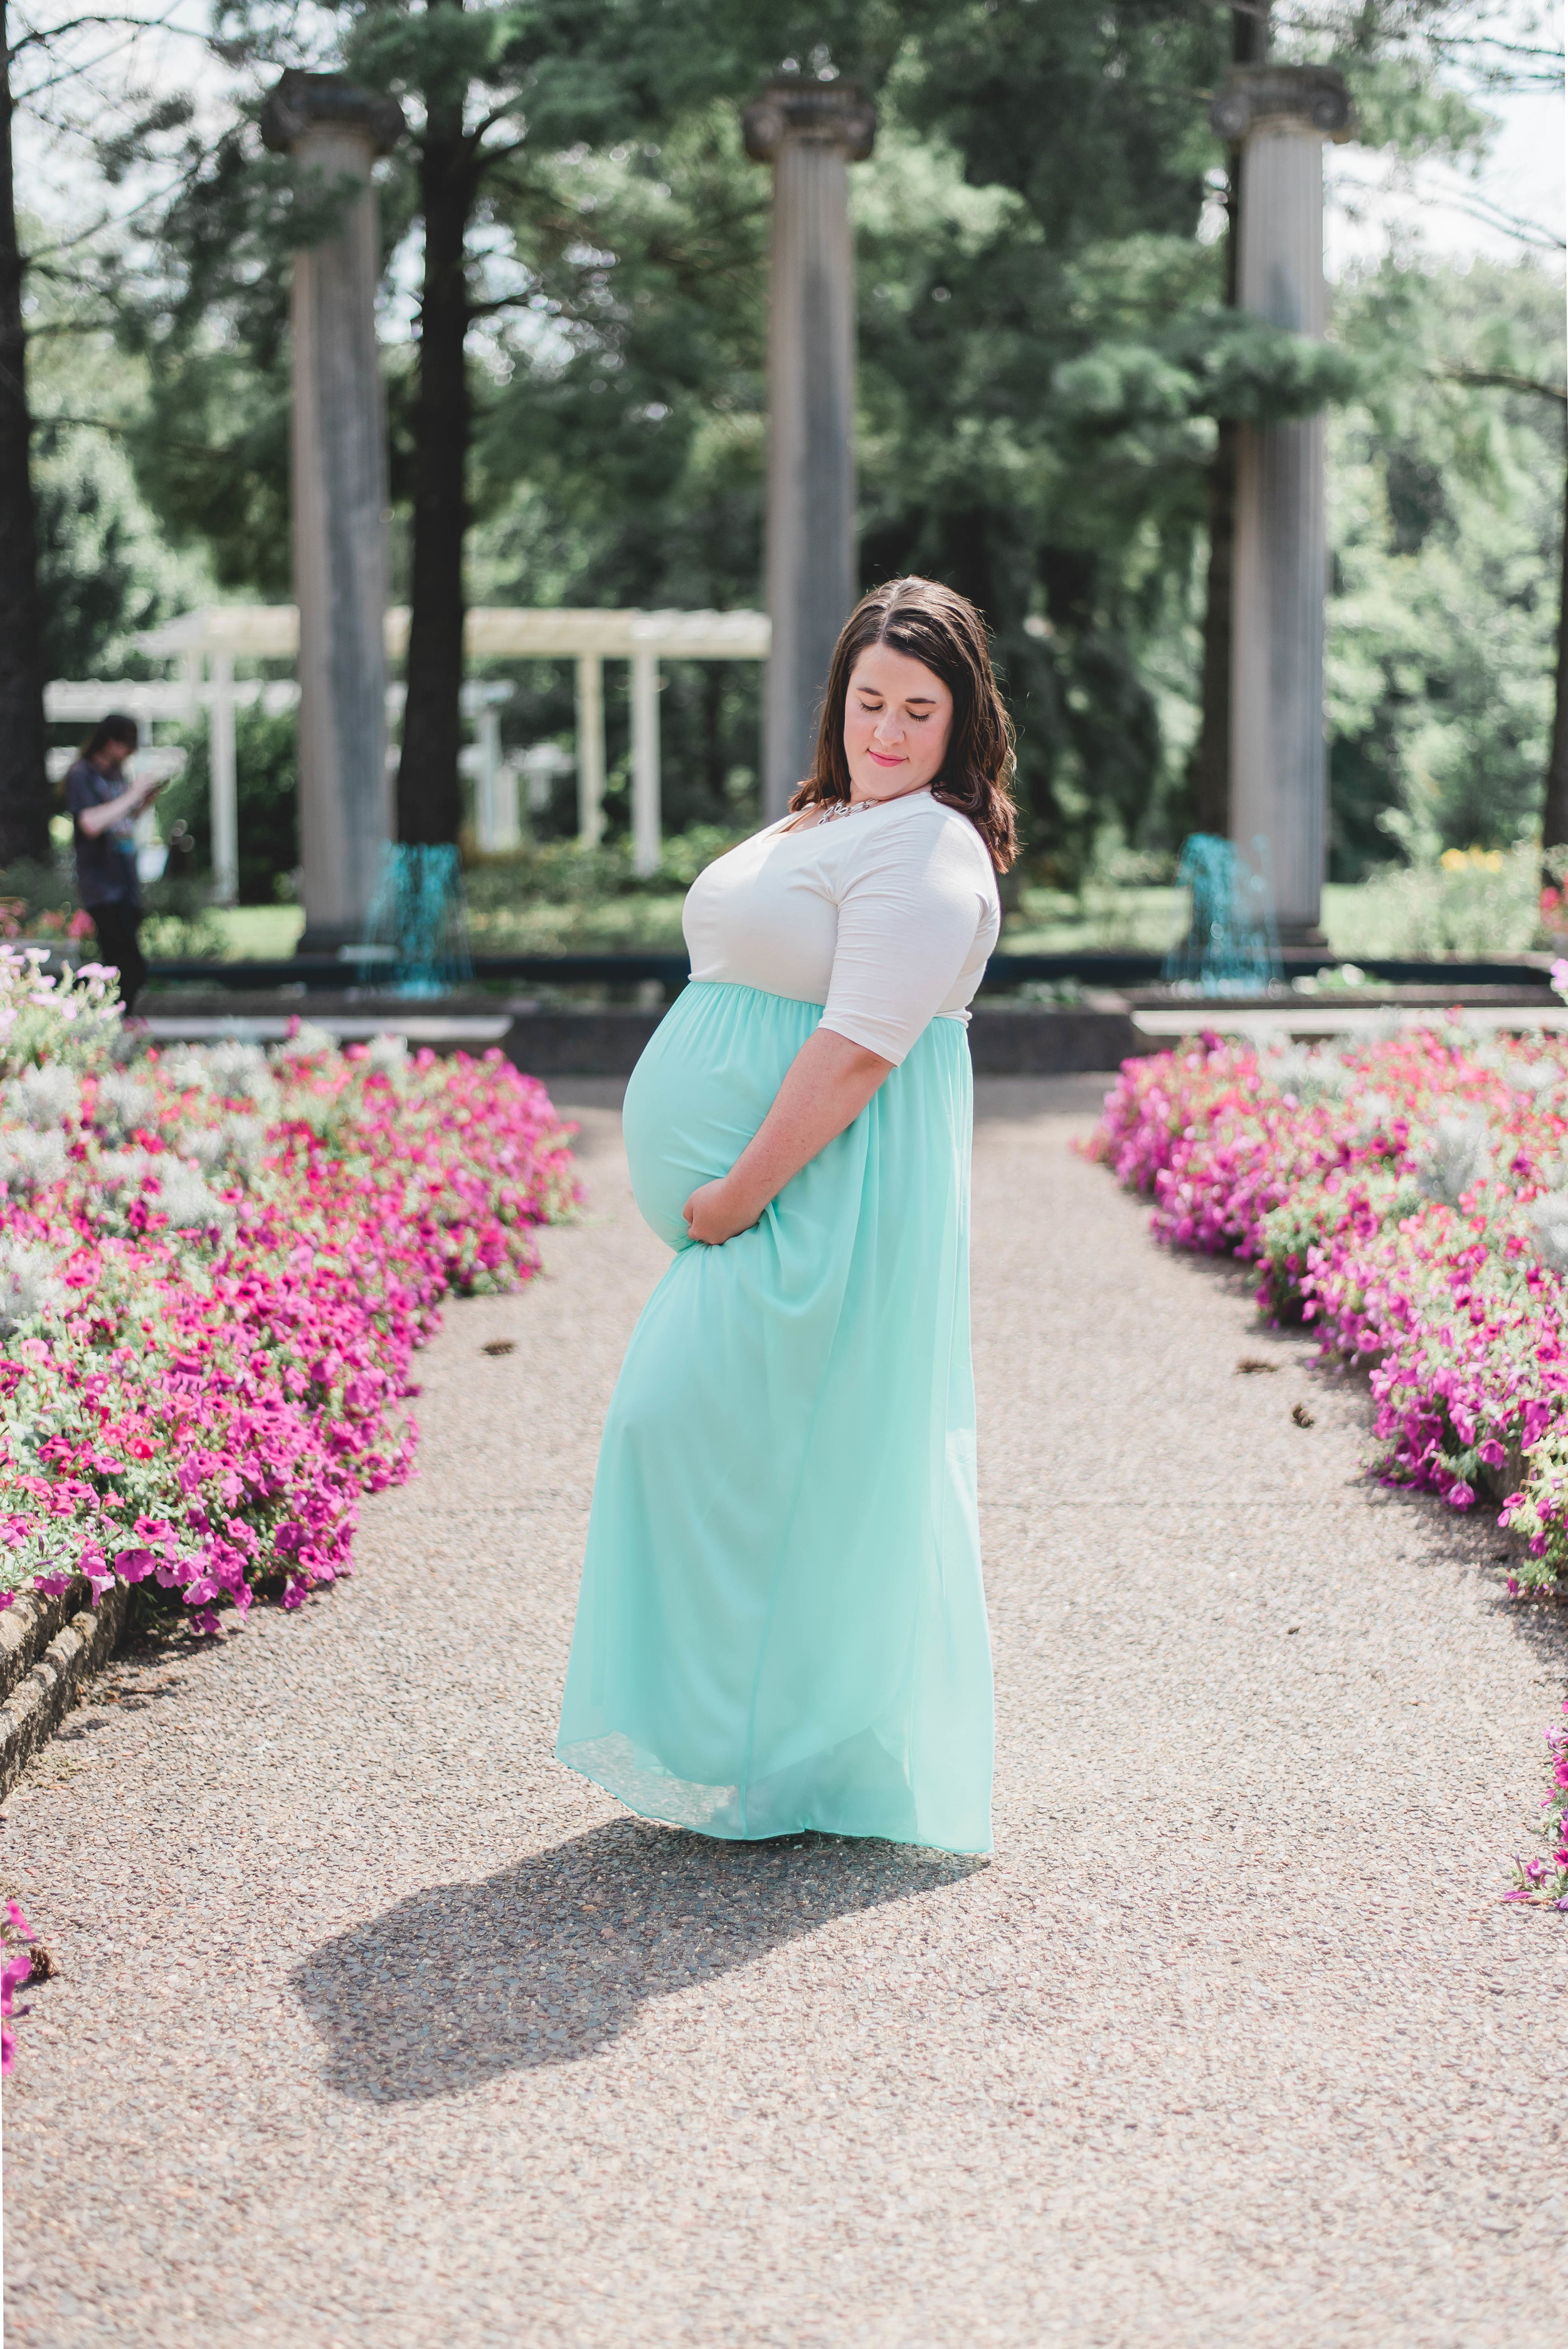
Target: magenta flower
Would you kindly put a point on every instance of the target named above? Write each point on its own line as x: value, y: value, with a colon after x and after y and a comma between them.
x: 15, y: 1972
x: 1364, y: 1181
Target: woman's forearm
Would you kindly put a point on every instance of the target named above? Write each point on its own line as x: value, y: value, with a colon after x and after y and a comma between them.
x: 827, y: 1085
x: 96, y: 819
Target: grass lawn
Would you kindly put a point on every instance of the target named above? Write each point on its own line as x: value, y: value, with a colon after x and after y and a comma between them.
x: 1481, y: 907
x: 258, y: 933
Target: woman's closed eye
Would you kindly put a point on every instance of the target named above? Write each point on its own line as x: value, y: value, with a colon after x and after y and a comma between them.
x: 875, y: 710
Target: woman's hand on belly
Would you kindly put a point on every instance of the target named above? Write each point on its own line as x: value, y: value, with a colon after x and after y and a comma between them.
x: 715, y: 1212
x: 828, y: 1085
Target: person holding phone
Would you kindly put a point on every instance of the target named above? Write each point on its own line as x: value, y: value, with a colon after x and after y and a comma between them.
x: 104, y: 806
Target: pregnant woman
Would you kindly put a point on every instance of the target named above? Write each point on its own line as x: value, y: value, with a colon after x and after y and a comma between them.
x: 782, y: 1623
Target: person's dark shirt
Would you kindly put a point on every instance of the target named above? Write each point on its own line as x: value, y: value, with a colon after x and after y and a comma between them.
x: 106, y: 867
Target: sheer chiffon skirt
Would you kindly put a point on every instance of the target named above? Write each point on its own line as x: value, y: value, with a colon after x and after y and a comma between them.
x: 782, y: 1622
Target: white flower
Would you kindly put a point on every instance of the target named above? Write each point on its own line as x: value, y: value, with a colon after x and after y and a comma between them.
x: 122, y: 1170
x: 1308, y: 1075
x: 28, y: 1286
x: 307, y: 1042
x: 238, y: 1071
x: 1286, y: 1066
x: 202, y: 1145
x: 185, y: 1198
x: 390, y: 1054
x: 236, y: 1142
x: 244, y: 1143
x: 44, y: 1096
x: 1548, y: 1219
x: 123, y: 1103
x: 186, y: 1069
x: 1458, y: 1158
x: 1534, y: 1076
x: 28, y: 1161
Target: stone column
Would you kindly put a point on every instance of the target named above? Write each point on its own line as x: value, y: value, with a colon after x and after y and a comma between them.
x: 223, y: 781
x: 334, y: 131
x: 590, y: 749
x: 646, y: 827
x: 810, y: 132
x: 1280, y: 116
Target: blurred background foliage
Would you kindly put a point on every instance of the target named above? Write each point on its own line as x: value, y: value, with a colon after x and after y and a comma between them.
x: 1043, y: 352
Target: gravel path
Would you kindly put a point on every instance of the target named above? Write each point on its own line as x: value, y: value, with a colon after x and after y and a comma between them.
x: 374, y: 2027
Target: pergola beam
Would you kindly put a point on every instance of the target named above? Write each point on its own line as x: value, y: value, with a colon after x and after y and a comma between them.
x: 218, y: 635
x: 270, y: 632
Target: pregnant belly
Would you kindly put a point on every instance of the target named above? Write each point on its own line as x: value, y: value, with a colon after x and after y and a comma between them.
x: 701, y: 1089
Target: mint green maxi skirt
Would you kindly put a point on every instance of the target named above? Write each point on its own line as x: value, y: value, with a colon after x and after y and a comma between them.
x: 782, y: 1623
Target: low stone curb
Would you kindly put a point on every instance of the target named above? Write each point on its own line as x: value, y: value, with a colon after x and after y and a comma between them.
x: 1013, y: 1040
x: 49, y: 1647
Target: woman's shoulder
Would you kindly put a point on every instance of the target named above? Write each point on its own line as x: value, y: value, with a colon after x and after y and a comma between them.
x: 934, y: 834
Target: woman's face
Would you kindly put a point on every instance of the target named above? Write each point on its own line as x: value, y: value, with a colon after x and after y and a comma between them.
x: 898, y: 716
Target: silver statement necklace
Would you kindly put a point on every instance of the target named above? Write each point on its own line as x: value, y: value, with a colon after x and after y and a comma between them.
x: 834, y: 809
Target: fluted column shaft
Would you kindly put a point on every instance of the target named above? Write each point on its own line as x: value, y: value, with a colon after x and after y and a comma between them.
x: 339, y: 503
x: 1279, y: 764
x: 810, y: 132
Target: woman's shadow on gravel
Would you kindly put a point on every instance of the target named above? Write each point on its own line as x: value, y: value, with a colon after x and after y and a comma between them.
x: 546, y: 1962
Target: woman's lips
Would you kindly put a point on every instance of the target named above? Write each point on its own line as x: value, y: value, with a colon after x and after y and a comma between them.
x: 885, y: 763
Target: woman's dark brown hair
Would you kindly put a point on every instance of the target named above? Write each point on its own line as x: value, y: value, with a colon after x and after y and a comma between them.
x: 944, y: 631
x: 112, y: 729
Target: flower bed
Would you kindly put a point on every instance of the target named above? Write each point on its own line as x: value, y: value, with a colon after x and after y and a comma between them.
x: 16, y: 1962
x: 1408, y: 1196
x: 214, y: 1268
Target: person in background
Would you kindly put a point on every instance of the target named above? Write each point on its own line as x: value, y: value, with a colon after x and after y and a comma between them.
x: 103, y: 807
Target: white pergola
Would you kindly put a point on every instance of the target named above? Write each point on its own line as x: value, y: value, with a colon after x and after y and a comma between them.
x: 208, y: 642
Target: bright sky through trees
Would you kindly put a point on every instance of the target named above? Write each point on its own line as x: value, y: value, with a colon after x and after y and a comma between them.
x: 1514, y: 199
x: 157, y: 47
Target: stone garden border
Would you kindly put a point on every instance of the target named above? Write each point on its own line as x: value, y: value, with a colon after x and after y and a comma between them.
x: 49, y: 1647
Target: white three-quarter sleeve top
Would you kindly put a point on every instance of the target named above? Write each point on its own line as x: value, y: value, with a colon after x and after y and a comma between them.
x: 886, y: 917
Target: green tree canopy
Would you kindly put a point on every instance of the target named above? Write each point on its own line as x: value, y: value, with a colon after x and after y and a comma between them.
x: 1045, y: 353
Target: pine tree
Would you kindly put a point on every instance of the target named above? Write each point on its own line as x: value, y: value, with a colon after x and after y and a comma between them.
x: 491, y: 92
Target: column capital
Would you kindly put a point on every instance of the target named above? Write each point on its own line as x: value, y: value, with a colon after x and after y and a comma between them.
x: 1313, y: 97
x: 809, y: 114
x: 308, y: 101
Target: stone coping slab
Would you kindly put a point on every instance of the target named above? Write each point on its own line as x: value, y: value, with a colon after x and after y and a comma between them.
x: 461, y: 1033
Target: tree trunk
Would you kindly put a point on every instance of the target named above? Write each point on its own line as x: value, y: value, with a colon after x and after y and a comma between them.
x: 1555, y: 819
x: 429, y: 791
x: 24, y: 782
x: 1209, y: 774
